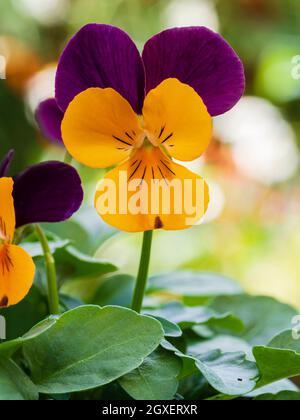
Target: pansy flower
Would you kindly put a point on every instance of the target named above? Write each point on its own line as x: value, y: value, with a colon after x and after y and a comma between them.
x: 47, y: 192
x: 141, y: 113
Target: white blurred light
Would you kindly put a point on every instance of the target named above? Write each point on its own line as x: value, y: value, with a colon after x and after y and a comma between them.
x: 194, y: 166
x: 263, y: 142
x: 192, y: 13
x: 4, y: 48
x: 216, y: 203
x: 47, y: 12
x: 40, y: 87
x: 3, y: 64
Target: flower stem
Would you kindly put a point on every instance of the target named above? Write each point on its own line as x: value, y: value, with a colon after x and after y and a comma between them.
x: 142, y: 277
x: 53, y: 298
x: 68, y: 158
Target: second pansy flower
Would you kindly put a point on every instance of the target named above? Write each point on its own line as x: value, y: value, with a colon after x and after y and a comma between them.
x: 46, y: 192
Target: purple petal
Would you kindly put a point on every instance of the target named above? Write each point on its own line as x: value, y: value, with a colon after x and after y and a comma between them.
x: 100, y: 56
x: 47, y: 192
x: 5, y: 163
x: 200, y: 58
x: 49, y: 116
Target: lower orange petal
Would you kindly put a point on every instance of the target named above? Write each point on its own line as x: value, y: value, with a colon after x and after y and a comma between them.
x: 151, y: 192
x: 16, y: 274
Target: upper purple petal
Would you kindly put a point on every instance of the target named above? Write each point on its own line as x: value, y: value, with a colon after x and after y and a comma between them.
x: 5, y: 163
x: 200, y: 58
x: 47, y: 192
x: 100, y: 56
x: 49, y: 116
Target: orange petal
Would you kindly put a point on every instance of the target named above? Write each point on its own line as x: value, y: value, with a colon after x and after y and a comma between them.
x: 177, y: 119
x: 100, y: 128
x: 16, y: 274
x: 151, y: 192
x: 7, y: 210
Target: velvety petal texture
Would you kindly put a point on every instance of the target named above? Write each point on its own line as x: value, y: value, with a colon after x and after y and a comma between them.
x: 100, y: 56
x: 47, y: 192
x: 200, y: 58
x: 5, y: 163
x: 49, y: 117
x: 100, y: 129
x: 176, y: 119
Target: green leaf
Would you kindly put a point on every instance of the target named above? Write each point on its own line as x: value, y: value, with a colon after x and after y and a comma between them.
x: 228, y: 373
x: 279, y: 360
x: 155, y: 379
x: 81, y: 228
x: 116, y: 290
x: 263, y: 317
x: 74, y: 231
x: 188, y: 317
x: 224, y: 343
x: 188, y: 362
x: 14, y: 384
x: 196, y: 287
x: 8, y: 348
x: 170, y: 328
x: 274, y: 388
x: 73, y: 264
x: 282, y: 396
x: 285, y: 340
x: 89, y: 347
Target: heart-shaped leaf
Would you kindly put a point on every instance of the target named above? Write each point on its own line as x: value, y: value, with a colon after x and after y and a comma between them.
x: 91, y: 346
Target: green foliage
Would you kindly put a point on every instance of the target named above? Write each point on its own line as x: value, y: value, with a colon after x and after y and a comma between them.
x: 228, y: 373
x: 279, y: 359
x: 195, y: 288
x: 263, y: 316
x: 213, y: 343
x: 14, y: 384
x: 116, y: 290
x: 90, y: 346
x: 155, y: 379
x: 282, y: 396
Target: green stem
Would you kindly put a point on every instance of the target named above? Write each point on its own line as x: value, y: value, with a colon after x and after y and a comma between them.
x: 53, y: 298
x: 142, y: 277
x: 68, y: 158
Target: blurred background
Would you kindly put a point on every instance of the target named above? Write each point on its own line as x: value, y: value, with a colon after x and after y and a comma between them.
x: 252, y: 230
